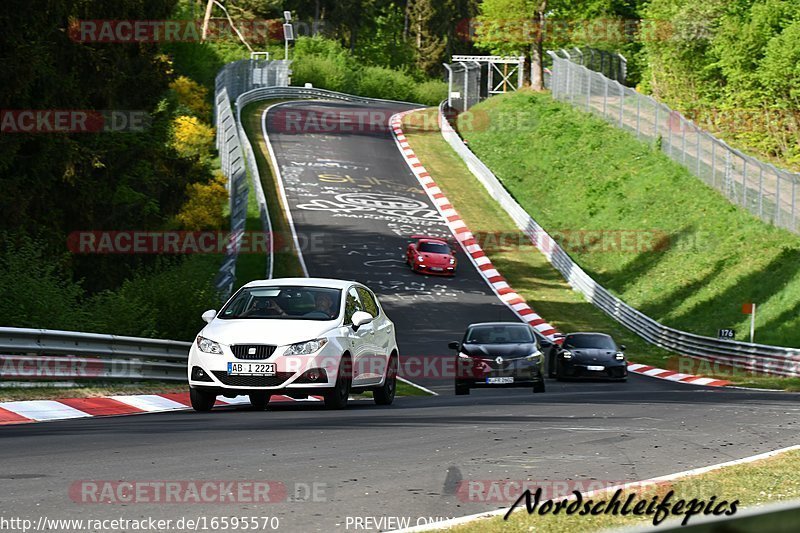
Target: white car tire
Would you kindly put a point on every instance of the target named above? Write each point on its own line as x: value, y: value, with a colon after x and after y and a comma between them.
x: 336, y: 398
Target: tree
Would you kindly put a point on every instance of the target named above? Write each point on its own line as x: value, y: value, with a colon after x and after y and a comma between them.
x: 514, y: 27
x: 424, y: 25
x: 528, y: 27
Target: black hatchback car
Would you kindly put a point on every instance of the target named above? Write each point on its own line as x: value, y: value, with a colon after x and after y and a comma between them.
x: 498, y: 354
x: 587, y: 355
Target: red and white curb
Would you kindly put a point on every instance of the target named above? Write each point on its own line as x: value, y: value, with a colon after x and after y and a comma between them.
x: 484, y: 265
x: 671, y: 375
x: 464, y: 237
x: 26, y: 411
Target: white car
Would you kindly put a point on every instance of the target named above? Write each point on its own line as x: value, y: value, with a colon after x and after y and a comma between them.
x: 297, y: 337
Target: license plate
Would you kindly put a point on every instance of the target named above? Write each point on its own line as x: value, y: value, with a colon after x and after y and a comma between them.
x: 499, y: 381
x: 251, y: 369
x: 596, y: 368
x: 436, y: 269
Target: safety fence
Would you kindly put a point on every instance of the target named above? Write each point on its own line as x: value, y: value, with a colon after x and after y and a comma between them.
x: 241, y: 76
x: 232, y: 161
x: 42, y: 355
x: 763, y: 189
x: 757, y: 358
x: 463, y: 84
x: 237, y: 158
x: 612, y: 65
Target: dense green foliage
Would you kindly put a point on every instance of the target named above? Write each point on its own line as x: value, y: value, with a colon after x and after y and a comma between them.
x: 58, y: 183
x: 326, y: 64
x: 531, y: 27
x: 733, y: 66
x: 411, y: 34
x: 574, y: 172
x: 162, y: 300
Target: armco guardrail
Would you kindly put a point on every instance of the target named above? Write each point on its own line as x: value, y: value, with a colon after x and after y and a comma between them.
x: 269, y: 93
x: 749, y: 356
x: 251, y: 81
x: 41, y: 354
x: 233, y: 143
x: 233, y: 166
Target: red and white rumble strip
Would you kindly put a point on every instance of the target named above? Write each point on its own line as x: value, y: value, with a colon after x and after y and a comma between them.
x: 671, y: 375
x: 465, y: 238
x: 21, y: 412
x: 484, y: 265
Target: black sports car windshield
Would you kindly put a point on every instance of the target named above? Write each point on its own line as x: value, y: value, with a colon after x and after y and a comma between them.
x: 433, y: 248
x: 499, y: 335
x: 600, y: 342
x: 284, y: 303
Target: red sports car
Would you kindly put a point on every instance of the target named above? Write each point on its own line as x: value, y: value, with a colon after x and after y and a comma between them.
x: 431, y: 255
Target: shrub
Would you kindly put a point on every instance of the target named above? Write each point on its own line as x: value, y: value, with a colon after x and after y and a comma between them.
x: 380, y: 82
x: 330, y: 73
x: 164, y: 302
x: 322, y: 63
x: 192, y: 96
x: 430, y: 92
x: 191, y: 138
x: 37, y: 293
x: 204, y: 207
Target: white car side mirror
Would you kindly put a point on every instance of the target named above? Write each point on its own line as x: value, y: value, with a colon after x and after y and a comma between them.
x: 209, y: 315
x: 360, y: 318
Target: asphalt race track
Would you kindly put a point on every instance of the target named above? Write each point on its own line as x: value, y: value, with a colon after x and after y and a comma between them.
x: 355, y: 205
x: 354, y: 202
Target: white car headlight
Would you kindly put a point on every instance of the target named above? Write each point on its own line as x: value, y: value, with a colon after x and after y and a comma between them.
x: 452, y: 261
x: 208, y: 346
x: 567, y: 354
x: 420, y: 259
x: 305, y: 348
x: 462, y: 355
x: 620, y: 356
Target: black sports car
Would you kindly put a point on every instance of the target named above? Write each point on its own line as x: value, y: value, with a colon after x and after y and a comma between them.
x: 587, y: 355
x: 498, y: 354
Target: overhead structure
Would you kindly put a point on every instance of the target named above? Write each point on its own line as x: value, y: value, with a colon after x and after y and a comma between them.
x: 503, y: 73
x: 467, y: 84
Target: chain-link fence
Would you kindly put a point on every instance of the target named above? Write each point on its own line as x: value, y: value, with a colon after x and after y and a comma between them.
x: 464, y: 84
x: 763, y: 189
x: 612, y: 65
x: 241, y: 76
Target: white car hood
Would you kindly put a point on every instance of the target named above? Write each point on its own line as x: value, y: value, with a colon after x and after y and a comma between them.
x: 266, y: 331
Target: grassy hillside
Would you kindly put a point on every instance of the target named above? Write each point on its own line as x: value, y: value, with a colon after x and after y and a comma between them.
x: 573, y: 172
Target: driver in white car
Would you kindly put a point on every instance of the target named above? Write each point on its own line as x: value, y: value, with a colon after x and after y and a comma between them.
x: 324, y: 304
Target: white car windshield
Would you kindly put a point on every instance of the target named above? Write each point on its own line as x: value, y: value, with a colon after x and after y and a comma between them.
x: 282, y: 303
